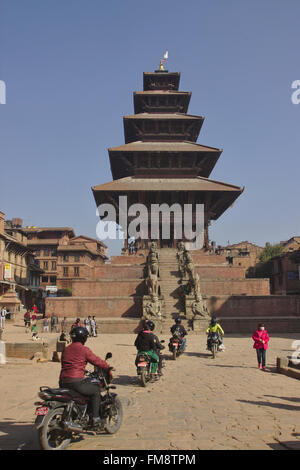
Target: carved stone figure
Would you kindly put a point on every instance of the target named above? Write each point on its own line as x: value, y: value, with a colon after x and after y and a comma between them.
x: 152, y: 284
x: 152, y: 264
x: 195, y: 284
x: 199, y: 308
x: 189, y: 265
x: 180, y: 257
x: 152, y: 308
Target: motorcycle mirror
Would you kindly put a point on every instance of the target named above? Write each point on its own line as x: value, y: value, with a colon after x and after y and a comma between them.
x: 108, y: 355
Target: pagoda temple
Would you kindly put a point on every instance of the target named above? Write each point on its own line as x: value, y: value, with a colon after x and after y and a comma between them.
x: 161, y: 161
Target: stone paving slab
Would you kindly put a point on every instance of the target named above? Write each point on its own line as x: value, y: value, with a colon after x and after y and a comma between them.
x: 200, y: 403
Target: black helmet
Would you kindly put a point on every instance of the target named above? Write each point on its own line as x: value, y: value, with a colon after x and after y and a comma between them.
x: 213, y: 321
x: 178, y: 321
x: 150, y: 325
x: 79, y: 334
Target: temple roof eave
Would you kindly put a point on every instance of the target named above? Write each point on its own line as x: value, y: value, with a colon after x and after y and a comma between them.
x: 163, y: 146
x: 218, y: 196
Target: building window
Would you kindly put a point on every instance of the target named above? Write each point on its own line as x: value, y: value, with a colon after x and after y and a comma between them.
x: 37, y: 252
x: 66, y: 272
x: 46, y: 252
x: 44, y: 278
x: 52, y: 280
x: 66, y: 257
x: 53, y: 265
x: 54, y: 252
x: 45, y: 265
x: 76, y: 258
x: 76, y: 272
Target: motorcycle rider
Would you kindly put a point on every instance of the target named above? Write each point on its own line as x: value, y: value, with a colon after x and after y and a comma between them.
x: 179, y: 330
x: 147, y: 342
x: 73, y: 363
x: 214, y: 327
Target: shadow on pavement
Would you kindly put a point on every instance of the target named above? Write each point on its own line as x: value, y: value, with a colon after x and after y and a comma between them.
x: 195, y: 354
x: 236, y: 367
x: 18, y: 436
x: 295, y: 399
x: 272, y: 405
x: 285, y: 445
x: 125, y: 380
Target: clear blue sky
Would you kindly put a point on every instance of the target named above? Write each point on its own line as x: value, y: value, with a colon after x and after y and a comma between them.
x: 70, y: 69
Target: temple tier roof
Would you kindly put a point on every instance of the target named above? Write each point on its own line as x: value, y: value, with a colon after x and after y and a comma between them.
x: 162, y: 158
x: 161, y: 81
x: 160, y: 126
x: 215, y: 195
x: 161, y: 101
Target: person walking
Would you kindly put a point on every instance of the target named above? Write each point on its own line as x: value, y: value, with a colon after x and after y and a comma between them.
x: 2, y: 318
x: 64, y: 325
x: 35, y: 335
x: 46, y: 324
x: 33, y: 317
x: 94, y: 326
x: 27, y: 321
x: 261, y: 340
x: 87, y: 324
x: 77, y: 323
x: 54, y: 323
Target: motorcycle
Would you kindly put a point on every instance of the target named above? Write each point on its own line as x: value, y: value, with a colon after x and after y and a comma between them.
x: 214, y: 344
x: 176, y: 346
x: 143, y: 365
x: 65, y: 412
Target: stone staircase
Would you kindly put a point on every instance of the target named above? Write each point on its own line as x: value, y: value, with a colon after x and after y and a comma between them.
x: 169, y: 283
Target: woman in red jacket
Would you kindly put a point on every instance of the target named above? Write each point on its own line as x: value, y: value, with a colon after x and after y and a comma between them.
x: 261, y: 340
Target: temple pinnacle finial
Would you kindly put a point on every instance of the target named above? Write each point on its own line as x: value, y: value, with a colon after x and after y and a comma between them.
x: 162, y: 61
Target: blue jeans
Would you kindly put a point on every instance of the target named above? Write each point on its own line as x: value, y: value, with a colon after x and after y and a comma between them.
x: 261, y: 356
x: 183, y: 343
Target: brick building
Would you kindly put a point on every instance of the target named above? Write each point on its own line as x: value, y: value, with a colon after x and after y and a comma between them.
x: 290, y: 245
x: 18, y: 271
x: 63, y: 256
x: 285, y: 278
x: 244, y: 254
x: 78, y: 259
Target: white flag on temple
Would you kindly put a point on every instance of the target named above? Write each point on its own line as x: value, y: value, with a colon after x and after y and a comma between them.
x: 166, y: 56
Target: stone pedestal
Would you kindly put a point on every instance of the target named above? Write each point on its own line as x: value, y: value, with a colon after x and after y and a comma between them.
x: 11, y: 301
x: 200, y: 325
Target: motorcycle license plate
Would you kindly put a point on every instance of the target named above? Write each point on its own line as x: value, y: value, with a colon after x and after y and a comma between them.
x: 42, y: 411
x: 142, y: 364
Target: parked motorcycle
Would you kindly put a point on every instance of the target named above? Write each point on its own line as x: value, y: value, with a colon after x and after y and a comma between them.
x: 65, y: 413
x: 143, y: 364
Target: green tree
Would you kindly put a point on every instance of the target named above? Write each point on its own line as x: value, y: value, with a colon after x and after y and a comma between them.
x: 265, y: 266
x: 270, y: 251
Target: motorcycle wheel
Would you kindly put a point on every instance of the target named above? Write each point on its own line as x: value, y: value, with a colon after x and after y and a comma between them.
x: 51, y: 434
x: 114, y: 420
x: 214, y: 351
x: 144, y: 378
x: 174, y: 354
